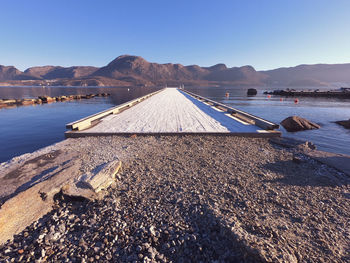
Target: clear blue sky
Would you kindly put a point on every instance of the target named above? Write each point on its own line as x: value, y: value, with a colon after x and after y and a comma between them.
x: 263, y: 33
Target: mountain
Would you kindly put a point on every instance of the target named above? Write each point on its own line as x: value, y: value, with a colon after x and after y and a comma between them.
x: 56, y: 72
x: 139, y: 69
x: 38, y: 72
x: 313, y: 75
x: 243, y: 74
x: 45, y: 73
x: 127, y: 70
x: 9, y: 73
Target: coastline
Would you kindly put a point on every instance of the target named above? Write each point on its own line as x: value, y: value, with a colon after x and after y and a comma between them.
x: 261, y: 200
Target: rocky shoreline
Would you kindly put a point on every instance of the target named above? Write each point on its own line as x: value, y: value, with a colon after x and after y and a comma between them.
x: 316, y: 93
x: 9, y: 103
x: 190, y: 199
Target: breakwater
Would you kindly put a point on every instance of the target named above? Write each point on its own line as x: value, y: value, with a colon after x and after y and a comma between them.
x: 9, y: 103
x: 315, y: 93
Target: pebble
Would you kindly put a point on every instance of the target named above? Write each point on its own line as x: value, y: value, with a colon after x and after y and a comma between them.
x: 187, y: 206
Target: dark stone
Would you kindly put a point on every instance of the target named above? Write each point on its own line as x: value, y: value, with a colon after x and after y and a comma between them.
x: 252, y: 92
x: 47, y: 99
x: 297, y: 159
x: 345, y: 124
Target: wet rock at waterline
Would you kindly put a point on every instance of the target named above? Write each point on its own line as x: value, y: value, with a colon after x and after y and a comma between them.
x: 345, y: 124
x: 46, y: 99
x: 295, y: 123
x: 252, y: 92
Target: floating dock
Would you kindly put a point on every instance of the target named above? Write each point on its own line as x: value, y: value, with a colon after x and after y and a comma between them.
x: 172, y: 111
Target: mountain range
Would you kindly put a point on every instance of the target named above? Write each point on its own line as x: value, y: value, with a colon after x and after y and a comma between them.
x: 127, y: 70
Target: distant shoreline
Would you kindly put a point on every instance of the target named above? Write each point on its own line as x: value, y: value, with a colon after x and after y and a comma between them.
x: 128, y: 70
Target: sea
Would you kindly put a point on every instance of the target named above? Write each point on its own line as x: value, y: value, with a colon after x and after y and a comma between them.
x: 25, y: 129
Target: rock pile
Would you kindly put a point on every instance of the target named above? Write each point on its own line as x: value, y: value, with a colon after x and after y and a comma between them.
x: 4, y: 103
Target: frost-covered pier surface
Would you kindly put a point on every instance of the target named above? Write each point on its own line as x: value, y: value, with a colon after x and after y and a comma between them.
x: 174, y: 111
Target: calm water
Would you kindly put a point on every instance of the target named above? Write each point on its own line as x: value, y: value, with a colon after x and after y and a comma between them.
x: 331, y: 137
x: 28, y: 128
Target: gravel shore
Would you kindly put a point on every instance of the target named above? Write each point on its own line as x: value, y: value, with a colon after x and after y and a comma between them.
x: 192, y: 199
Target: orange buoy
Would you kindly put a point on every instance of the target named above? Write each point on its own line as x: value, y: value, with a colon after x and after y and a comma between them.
x: 227, y: 94
x: 269, y: 96
x: 296, y: 101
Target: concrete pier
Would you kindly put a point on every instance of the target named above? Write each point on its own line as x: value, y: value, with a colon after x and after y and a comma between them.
x: 174, y: 111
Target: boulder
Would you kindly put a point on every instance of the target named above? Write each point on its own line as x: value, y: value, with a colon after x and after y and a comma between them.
x: 252, y: 92
x: 295, y: 123
x: 62, y: 98
x: 9, y: 101
x: 91, y: 185
x: 345, y: 124
x: 101, y: 177
x: 26, y: 102
x: 47, y: 99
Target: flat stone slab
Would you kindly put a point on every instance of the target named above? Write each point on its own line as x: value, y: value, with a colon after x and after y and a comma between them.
x: 39, y: 179
x: 340, y: 162
x: 34, y: 202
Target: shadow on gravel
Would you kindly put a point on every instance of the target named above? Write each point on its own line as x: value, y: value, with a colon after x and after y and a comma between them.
x: 213, y: 241
x: 294, y: 174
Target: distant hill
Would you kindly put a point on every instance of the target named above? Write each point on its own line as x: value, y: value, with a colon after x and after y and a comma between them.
x: 9, y: 73
x: 127, y: 70
x: 130, y: 70
x: 56, y: 72
x: 245, y: 74
x: 313, y: 75
x: 137, y: 68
